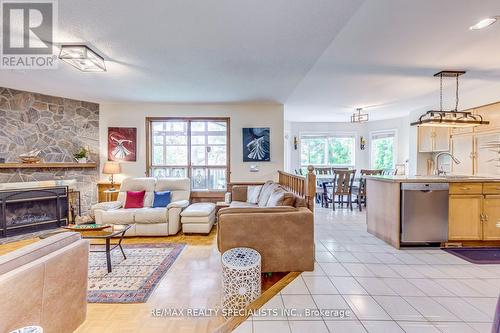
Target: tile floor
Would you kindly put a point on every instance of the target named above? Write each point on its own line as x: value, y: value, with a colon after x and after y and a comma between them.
x: 380, y: 288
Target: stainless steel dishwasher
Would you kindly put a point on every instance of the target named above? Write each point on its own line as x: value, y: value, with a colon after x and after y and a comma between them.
x: 424, y: 213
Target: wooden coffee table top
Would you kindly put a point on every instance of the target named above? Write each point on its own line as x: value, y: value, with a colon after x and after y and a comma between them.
x: 84, y: 227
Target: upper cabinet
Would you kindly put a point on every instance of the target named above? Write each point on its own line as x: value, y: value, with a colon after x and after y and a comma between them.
x: 433, y: 139
x: 488, y: 154
x: 492, y: 114
x: 462, y: 146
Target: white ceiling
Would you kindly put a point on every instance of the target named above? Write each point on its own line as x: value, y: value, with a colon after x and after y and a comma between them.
x: 321, y: 58
x: 386, y: 56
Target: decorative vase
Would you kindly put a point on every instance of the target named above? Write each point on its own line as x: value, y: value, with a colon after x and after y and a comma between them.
x: 81, y: 160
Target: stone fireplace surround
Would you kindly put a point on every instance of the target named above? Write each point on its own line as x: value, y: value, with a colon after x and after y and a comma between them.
x: 59, y: 127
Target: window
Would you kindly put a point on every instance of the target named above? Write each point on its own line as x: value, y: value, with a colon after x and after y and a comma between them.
x: 382, y: 149
x: 331, y: 150
x: 194, y: 148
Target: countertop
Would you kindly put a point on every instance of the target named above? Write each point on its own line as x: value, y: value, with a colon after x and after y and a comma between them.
x: 434, y: 179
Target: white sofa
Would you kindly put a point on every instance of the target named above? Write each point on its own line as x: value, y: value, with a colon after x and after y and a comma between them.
x: 147, y: 221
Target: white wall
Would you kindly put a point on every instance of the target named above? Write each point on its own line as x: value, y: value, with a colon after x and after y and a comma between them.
x: 362, y: 157
x: 242, y: 115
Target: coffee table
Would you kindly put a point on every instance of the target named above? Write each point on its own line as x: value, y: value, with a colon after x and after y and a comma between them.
x: 103, y: 232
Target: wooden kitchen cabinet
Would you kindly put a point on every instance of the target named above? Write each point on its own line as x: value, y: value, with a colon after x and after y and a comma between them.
x: 464, y: 217
x: 491, y: 211
x: 424, y: 139
x: 462, y: 146
x: 433, y: 139
x: 474, y: 211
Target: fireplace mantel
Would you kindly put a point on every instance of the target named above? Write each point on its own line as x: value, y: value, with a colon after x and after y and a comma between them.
x: 70, y: 183
x: 54, y: 165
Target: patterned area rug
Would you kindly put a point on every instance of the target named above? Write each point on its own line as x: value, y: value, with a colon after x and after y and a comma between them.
x: 132, y: 280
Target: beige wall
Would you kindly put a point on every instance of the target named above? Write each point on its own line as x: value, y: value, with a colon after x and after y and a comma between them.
x: 242, y: 115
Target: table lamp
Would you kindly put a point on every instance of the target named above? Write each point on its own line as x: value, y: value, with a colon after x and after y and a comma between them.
x: 111, y: 168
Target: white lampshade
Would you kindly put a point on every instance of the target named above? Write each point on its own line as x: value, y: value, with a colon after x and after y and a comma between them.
x: 111, y: 168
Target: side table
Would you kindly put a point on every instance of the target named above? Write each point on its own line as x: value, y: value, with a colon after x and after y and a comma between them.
x: 109, y: 194
x: 220, y: 205
x: 241, y: 279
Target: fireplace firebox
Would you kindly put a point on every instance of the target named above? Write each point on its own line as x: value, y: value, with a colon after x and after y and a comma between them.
x: 32, y: 209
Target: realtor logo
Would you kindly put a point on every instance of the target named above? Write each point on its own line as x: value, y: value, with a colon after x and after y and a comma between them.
x: 27, y: 34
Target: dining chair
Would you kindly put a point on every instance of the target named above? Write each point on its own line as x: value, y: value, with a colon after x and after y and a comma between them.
x: 389, y: 172
x: 327, y: 194
x: 359, y: 191
x: 371, y: 172
x: 343, y: 181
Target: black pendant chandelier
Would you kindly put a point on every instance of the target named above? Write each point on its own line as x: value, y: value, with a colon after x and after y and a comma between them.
x: 451, y: 118
x: 358, y: 116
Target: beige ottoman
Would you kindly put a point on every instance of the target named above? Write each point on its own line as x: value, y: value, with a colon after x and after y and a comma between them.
x: 198, y: 218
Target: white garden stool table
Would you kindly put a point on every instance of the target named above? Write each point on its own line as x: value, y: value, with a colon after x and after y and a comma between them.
x: 240, y: 277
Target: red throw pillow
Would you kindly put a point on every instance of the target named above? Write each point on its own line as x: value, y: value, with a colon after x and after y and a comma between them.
x: 135, y: 199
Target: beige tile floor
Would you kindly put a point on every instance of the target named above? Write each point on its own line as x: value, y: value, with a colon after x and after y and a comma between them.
x: 383, y: 289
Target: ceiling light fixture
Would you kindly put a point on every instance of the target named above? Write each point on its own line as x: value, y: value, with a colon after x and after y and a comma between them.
x: 484, y: 23
x: 83, y: 58
x: 451, y: 118
x: 358, y: 117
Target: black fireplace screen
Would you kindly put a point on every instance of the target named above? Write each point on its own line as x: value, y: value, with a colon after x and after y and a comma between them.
x: 32, y: 209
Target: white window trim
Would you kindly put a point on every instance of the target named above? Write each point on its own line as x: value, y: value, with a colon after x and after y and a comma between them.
x: 373, y: 134
x: 336, y: 134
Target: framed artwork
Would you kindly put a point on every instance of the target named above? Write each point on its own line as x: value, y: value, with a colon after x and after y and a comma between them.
x: 256, y: 144
x: 122, y: 144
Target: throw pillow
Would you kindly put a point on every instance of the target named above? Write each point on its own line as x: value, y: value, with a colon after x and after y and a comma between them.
x: 253, y: 194
x: 161, y: 199
x: 265, y: 192
x: 281, y: 197
x: 135, y: 199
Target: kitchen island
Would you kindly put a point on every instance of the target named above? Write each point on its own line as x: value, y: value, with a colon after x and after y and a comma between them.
x: 473, y: 207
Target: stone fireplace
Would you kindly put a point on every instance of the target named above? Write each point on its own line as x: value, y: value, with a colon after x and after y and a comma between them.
x: 57, y: 126
x: 32, y: 209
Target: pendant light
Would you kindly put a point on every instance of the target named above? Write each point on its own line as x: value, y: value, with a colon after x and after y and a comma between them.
x: 358, y: 117
x: 451, y: 118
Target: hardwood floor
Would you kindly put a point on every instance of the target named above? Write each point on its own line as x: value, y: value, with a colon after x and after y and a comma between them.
x: 193, y: 281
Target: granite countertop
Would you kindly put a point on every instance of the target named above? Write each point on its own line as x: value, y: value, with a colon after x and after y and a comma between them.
x: 40, y: 184
x: 434, y: 179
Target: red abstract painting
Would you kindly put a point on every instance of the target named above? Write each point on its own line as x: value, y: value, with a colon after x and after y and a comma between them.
x: 122, y: 144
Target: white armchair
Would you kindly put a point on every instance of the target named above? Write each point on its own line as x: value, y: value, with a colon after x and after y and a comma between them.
x: 147, y: 221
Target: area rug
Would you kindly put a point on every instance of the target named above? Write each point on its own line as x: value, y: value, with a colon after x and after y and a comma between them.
x: 132, y: 280
x: 477, y: 255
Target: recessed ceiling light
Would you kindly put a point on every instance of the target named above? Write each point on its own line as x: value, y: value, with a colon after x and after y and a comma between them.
x: 484, y: 23
x: 83, y: 58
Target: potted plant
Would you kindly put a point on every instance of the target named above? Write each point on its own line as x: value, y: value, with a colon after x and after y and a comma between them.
x: 82, y: 155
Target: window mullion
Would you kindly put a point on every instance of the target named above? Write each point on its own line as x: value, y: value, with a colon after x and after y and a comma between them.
x: 188, y: 141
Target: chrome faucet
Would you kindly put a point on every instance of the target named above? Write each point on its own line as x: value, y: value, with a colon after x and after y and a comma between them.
x: 439, y: 171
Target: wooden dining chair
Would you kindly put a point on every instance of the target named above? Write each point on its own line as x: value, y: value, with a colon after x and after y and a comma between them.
x: 371, y: 172
x: 359, y: 191
x: 343, y: 181
x: 326, y: 194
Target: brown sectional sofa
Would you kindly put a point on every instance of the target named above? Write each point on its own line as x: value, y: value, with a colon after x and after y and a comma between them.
x: 45, y: 284
x: 280, y: 228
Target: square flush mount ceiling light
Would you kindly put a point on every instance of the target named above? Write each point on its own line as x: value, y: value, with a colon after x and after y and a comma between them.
x: 83, y: 58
